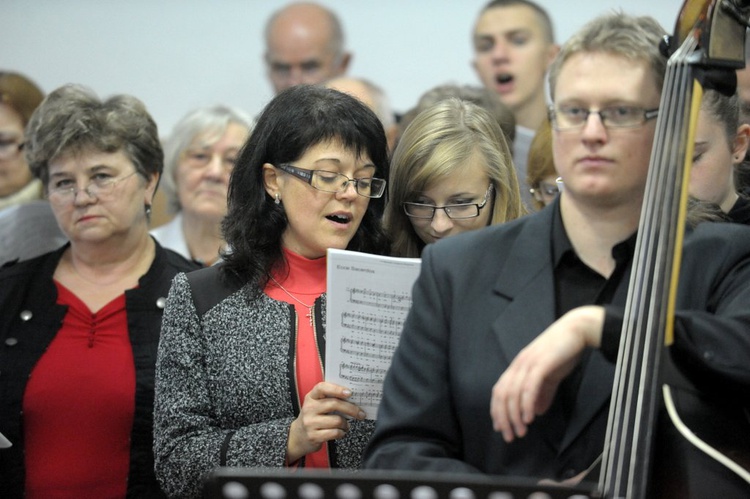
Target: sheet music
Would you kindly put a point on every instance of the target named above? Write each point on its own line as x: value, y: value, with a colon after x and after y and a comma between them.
x: 369, y: 297
x: 4, y: 442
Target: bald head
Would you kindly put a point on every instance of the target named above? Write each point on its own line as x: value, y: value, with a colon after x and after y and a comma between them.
x: 371, y: 96
x: 355, y: 87
x: 304, y: 44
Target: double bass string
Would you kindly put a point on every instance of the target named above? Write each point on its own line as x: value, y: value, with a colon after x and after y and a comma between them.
x: 635, y: 390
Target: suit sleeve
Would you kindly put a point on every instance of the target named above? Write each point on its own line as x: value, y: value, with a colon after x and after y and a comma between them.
x: 417, y: 428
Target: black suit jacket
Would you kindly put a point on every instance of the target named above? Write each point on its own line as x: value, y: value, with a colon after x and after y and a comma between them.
x: 481, y: 297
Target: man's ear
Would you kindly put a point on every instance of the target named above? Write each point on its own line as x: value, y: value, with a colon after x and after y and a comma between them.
x: 741, y: 143
x: 346, y: 60
x: 552, y: 52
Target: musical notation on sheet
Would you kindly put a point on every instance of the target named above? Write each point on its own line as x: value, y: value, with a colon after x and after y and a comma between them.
x: 369, y: 298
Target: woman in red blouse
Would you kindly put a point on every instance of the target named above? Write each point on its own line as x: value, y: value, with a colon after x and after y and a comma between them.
x: 80, y: 325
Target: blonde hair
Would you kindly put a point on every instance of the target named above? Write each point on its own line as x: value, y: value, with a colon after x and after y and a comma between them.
x: 73, y: 119
x: 439, y: 141
x: 632, y: 37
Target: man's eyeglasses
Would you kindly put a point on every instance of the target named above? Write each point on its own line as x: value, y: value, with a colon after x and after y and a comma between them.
x: 325, y: 181
x: 573, y: 117
x: 101, y: 186
x: 453, y: 211
x: 9, y: 148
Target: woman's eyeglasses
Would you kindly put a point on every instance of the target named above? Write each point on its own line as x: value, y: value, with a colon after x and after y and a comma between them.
x: 453, y: 211
x: 544, y: 192
x: 101, y: 186
x: 326, y: 181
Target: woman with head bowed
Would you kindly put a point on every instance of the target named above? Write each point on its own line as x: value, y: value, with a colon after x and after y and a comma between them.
x: 240, y: 367
x: 721, y: 144
x: 451, y: 172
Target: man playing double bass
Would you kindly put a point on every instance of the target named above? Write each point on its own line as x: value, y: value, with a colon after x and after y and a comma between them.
x: 522, y: 320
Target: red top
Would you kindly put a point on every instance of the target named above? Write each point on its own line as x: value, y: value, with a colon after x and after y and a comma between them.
x: 306, y: 281
x: 78, y: 405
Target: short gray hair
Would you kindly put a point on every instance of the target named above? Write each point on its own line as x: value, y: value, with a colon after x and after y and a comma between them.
x: 212, y: 120
x: 73, y: 120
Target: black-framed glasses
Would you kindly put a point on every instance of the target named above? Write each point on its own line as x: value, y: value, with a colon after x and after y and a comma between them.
x: 453, y: 211
x: 573, y: 117
x: 326, y: 181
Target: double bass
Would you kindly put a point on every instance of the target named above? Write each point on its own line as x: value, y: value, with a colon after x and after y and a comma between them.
x: 664, y: 437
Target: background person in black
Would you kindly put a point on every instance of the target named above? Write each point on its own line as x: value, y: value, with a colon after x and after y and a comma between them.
x: 721, y: 143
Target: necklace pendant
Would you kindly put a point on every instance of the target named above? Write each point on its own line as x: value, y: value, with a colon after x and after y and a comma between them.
x: 310, y: 315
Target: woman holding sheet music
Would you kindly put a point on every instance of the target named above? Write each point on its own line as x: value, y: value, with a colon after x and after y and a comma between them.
x: 239, y: 371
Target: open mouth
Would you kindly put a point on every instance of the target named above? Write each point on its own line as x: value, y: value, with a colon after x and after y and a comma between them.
x: 504, y: 78
x: 341, y: 219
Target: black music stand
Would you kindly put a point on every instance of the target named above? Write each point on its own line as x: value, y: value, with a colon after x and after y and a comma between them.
x: 267, y: 483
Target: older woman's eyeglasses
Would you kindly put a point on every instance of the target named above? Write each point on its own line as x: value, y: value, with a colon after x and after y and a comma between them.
x: 460, y: 211
x: 101, y: 186
x: 326, y: 181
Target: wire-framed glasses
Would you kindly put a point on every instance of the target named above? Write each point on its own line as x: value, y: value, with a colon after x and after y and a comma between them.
x: 568, y: 117
x: 10, y: 147
x: 326, y: 181
x: 545, y: 192
x: 101, y: 186
x: 460, y: 211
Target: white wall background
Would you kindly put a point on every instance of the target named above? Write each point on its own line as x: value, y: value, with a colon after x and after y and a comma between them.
x: 176, y: 55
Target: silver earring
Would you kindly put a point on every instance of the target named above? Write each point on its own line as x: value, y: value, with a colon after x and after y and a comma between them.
x: 278, y: 198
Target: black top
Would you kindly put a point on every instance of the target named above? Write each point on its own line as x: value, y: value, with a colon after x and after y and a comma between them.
x: 740, y: 212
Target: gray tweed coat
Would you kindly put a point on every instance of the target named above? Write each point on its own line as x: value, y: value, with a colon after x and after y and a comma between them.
x: 225, y: 387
